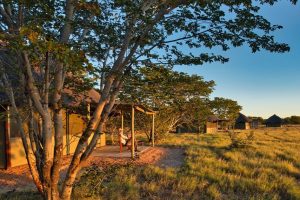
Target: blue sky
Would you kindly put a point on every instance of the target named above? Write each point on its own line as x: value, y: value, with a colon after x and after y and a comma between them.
x: 263, y: 83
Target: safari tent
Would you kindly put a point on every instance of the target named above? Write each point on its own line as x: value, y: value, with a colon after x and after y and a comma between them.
x: 215, y: 124
x: 211, y: 124
x: 242, y: 122
x: 274, y: 121
x: 74, y: 121
x: 255, y: 123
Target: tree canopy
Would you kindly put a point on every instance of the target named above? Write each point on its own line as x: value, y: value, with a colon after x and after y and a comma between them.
x: 178, y: 97
x: 225, y: 108
x: 292, y: 120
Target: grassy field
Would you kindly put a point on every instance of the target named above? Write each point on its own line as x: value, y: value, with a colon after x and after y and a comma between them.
x: 266, y: 166
x: 217, y: 166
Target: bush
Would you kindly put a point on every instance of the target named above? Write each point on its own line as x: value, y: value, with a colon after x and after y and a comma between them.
x: 238, y: 140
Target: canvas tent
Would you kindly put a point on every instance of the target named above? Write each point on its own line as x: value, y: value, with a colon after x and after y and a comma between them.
x: 75, y: 114
x: 215, y: 124
x: 274, y: 121
x: 242, y: 122
x: 212, y: 124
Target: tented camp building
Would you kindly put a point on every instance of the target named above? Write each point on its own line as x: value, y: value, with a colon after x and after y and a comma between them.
x: 212, y: 124
x: 77, y: 109
x: 215, y: 124
x: 74, y: 122
x: 242, y: 122
x: 274, y: 121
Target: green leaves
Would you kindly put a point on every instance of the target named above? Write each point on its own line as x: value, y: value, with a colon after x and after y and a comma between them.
x: 179, y: 97
x: 225, y: 108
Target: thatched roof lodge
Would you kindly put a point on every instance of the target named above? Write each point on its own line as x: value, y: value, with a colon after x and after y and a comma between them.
x: 274, y: 121
x: 255, y: 123
x: 215, y: 124
x: 75, y: 114
x: 242, y: 122
x: 212, y: 124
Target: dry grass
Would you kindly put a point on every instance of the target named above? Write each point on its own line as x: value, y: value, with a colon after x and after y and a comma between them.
x: 266, y: 168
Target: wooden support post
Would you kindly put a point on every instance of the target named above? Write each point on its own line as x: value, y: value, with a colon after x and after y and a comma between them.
x: 7, y: 139
x: 122, y: 131
x: 153, y: 118
x: 120, y: 143
x: 67, y: 132
x: 122, y: 121
x: 132, y: 133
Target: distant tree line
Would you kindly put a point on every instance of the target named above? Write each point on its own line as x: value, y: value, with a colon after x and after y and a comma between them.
x: 292, y: 120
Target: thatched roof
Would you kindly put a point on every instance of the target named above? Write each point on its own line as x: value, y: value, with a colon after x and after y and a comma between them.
x: 212, y: 118
x: 70, y: 98
x: 274, y: 119
x: 74, y: 99
x: 126, y: 107
x: 242, y: 119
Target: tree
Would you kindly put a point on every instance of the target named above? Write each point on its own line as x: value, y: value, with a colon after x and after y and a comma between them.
x: 292, y: 120
x: 225, y: 108
x: 178, y: 97
x: 260, y: 120
x: 42, y: 42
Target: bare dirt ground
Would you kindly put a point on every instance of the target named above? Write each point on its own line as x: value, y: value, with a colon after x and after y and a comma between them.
x: 19, y: 178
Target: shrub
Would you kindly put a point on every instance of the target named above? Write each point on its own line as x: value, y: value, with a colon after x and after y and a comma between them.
x: 240, y: 141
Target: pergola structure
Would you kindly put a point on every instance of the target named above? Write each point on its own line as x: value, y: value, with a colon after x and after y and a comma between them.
x: 121, y: 108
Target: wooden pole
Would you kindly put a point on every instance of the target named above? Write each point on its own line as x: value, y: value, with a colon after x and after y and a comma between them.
x: 122, y: 127
x: 120, y: 143
x: 67, y: 132
x: 7, y: 139
x: 153, y: 118
x: 132, y: 133
x: 122, y: 120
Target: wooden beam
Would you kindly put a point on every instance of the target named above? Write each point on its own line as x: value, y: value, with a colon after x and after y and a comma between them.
x: 153, y: 118
x: 132, y: 133
x: 143, y: 110
x: 150, y: 113
x: 139, y: 109
x: 7, y: 139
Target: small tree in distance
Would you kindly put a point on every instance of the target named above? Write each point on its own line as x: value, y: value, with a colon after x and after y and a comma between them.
x: 225, y: 109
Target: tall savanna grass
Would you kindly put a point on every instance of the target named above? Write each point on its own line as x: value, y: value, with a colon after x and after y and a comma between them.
x: 268, y: 167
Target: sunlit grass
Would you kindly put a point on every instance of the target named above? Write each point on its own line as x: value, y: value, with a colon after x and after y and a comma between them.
x: 267, y: 168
